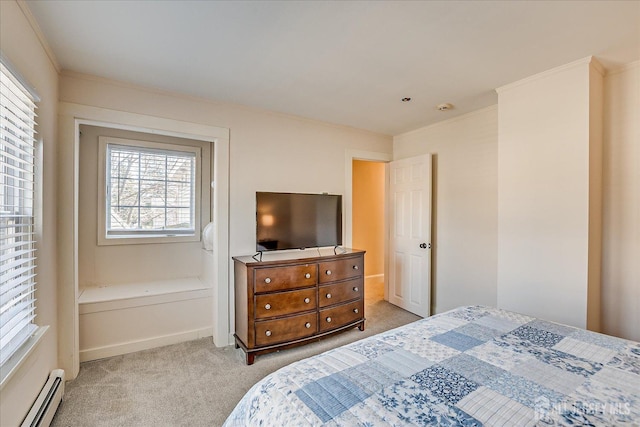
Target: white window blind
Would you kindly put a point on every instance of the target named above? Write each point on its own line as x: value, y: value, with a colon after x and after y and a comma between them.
x: 17, y: 245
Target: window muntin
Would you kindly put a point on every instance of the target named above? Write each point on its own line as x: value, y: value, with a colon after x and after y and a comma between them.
x: 17, y: 218
x: 151, y: 190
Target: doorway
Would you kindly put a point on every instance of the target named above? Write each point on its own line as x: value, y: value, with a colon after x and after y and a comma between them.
x: 368, y: 222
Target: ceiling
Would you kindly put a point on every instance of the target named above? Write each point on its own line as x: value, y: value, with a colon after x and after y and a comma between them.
x: 348, y: 62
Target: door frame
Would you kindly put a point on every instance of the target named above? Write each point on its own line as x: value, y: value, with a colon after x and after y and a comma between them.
x: 371, y: 156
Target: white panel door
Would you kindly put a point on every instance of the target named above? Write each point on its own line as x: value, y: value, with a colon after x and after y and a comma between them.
x: 410, y: 234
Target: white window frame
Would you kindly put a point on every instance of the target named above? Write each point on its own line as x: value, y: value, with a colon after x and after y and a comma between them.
x: 142, y: 237
x: 20, y: 333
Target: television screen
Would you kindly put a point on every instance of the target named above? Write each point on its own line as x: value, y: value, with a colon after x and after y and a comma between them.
x: 297, y: 221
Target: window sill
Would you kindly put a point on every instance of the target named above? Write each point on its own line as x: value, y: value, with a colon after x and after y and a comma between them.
x: 145, y: 240
x: 12, y: 365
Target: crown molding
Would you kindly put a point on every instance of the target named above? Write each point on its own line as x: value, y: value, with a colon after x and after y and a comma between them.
x: 445, y: 122
x: 624, y: 68
x: 36, y: 29
x: 589, y: 60
x: 222, y: 104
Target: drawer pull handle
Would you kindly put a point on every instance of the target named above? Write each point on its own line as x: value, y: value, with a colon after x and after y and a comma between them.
x: 268, y: 306
x: 328, y: 296
x: 355, y: 289
x: 328, y: 319
x: 267, y: 280
x: 328, y: 272
x: 355, y: 310
x: 307, y: 325
x: 355, y: 267
x: 307, y: 276
x: 268, y: 333
x: 307, y: 300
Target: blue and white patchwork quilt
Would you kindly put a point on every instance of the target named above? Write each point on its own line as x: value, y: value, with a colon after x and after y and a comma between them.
x: 471, y: 366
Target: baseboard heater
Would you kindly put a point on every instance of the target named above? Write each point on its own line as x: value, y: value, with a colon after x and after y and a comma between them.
x: 45, y: 406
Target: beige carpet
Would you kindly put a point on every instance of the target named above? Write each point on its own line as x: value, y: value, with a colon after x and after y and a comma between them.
x: 192, y: 383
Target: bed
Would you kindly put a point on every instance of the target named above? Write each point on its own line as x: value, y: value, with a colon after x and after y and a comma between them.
x: 470, y: 366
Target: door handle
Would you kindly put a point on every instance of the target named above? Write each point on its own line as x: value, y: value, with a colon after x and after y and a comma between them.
x: 425, y: 245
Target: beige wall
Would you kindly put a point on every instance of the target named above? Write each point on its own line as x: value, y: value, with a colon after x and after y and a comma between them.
x: 464, y: 211
x: 269, y: 151
x: 115, y: 264
x: 21, y: 46
x: 545, y: 237
x: 621, y: 204
x: 368, y: 213
x: 274, y: 152
x: 459, y: 164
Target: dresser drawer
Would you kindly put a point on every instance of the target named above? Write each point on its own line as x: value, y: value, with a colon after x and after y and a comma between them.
x: 340, y: 292
x: 282, y: 303
x: 287, y: 329
x: 282, y: 278
x: 341, y: 315
x: 332, y: 271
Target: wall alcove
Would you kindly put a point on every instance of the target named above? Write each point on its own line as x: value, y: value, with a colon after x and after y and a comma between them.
x: 143, y: 292
x: 100, y: 294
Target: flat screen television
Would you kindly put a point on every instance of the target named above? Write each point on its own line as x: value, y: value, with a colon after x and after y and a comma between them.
x: 297, y: 221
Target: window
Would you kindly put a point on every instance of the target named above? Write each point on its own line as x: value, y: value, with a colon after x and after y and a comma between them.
x: 17, y: 234
x: 151, y: 191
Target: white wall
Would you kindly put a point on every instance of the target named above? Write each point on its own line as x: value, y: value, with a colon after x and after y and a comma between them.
x: 621, y: 204
x: 544, y: 194
x: 21, y: 46
x: 465, y: 205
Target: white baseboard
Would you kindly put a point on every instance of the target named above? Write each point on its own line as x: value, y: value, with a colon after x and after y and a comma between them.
x: 146, y: 344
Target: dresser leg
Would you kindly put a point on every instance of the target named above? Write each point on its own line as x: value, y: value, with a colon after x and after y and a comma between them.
x: 250, y: 358
x: 361, y: 326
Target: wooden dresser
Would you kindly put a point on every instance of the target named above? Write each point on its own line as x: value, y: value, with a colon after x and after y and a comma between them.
x: 284, y: 301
